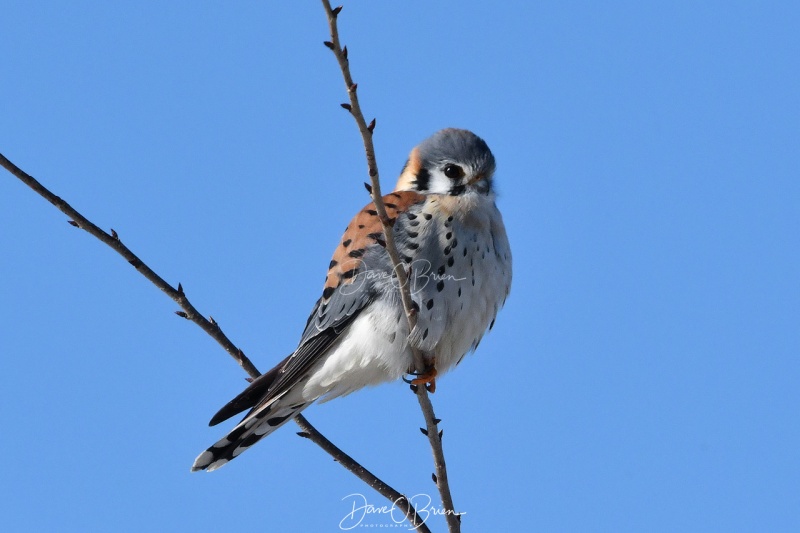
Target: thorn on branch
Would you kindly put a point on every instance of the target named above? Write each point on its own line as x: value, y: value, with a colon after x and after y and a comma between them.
x: 441, y: 432
x: 213, y: 322
x: 368, y: 187
x: 424, y: 431
x: 304, y: 434
x: 249, y: 379
x: 353, y: 88
x: 114, y: 234
x: 413, y: 388
x: 437, y: 420
x: 335, y: 11
x: 73, y: 223
x: 345, y: 106
x: 328, y: 44
x: 435, y: 479
x: 344, y: 52
x: 180, y: 289
x: 371, y: 125
x: 182, y: 314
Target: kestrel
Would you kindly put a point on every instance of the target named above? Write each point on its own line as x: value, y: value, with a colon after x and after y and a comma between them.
x: 449, y: 232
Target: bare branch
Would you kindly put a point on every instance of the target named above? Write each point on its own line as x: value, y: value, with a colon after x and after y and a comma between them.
x: 362, y: 473
x: 211, y: 327
x: 453, y: 519
x: 112, y: 240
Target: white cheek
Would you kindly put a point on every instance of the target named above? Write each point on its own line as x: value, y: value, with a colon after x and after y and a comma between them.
x: 439, y: 183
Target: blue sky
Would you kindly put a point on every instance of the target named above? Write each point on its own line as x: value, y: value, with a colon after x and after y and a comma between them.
x: 642, y: 377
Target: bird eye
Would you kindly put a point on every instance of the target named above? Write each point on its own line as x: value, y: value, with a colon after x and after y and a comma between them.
x: 453, y: 171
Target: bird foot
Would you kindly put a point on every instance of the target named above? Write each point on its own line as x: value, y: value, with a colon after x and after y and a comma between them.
x: 427, y: 378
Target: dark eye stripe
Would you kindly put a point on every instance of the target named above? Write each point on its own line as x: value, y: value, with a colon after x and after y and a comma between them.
x: 423, y: 180
x: 456, y: 190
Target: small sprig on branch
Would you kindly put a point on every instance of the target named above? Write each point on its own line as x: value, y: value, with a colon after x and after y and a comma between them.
x: 374, y: 188
x: 213, y: 329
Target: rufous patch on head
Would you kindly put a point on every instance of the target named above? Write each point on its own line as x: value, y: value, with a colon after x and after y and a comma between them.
x: 409, y: 175
x: 364, y: 230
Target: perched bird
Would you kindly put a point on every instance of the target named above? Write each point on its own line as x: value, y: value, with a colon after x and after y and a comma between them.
x: 448, y: 230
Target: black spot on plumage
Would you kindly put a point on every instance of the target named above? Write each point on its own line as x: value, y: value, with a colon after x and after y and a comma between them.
x: 450, y: 261
x: 347, y: 242
x: 249, y: 440
x: 414, y: 223
x: 450, y: 218
x: 277, y: 420
x: 333, y: 264
x: 390, y: 205
x: 412, y: 234
x: 440, y: 286
x: 429, y: 305
x: 448, y: 249
x: 465, y: 252
x: 371, y: 212
x: 396, y: 195
x: 413, y: 245
x: 423, y: 180
x: 454, y: 243
x: 328, y: 292
x: 425, y: 334
x: 448, y: 235
x: 491, y: 325
x: 415, y: 306
x: 361, y: 226
x: 406, y: 259
x: 378, y: 235
x: 356, y: 253
x: 459, y: 292
x: 411, y: 216
x: 392, y: 337
x: 427, y: 216
x: 350, y: 273
x: 441, y: 270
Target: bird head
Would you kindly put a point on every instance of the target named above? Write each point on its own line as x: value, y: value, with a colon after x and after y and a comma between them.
x: 452, y: 161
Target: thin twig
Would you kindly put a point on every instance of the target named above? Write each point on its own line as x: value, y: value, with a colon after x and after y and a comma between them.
x: 434, y: 435
x: 399, y: 500
x: 211, y: 327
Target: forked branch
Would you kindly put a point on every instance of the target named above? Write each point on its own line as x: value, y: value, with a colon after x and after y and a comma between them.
x: 211, y: 327
x: 431, y: 422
